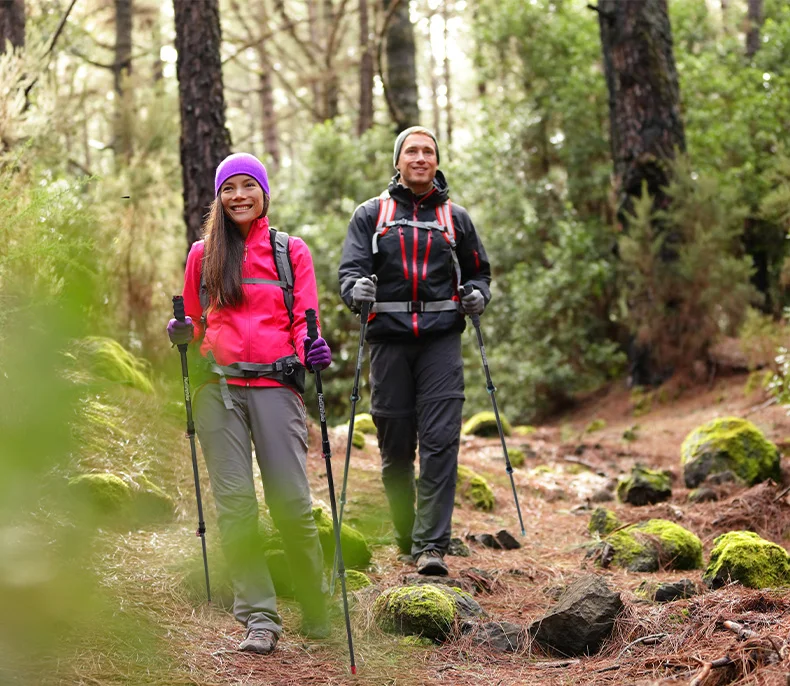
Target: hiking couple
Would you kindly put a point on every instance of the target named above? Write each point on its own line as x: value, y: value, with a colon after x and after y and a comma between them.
x: 246, y: 291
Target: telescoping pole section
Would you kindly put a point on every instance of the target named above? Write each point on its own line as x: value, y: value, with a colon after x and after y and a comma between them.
x: 492, y: 394
x: 179, y: 314
x: 312, y: 332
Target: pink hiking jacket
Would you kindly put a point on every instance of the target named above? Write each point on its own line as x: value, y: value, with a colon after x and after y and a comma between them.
x: 259, y: 329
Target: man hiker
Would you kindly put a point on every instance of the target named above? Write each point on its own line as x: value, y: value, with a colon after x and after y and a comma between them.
x: 422, y: 248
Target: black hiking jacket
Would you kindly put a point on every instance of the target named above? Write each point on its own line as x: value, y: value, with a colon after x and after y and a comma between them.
x: 413, y: 264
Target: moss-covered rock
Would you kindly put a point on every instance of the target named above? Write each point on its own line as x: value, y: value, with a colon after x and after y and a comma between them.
x: 108, y: 359
x: 644, y: 486
x: 358, y: 439
x: 656, y: 543
x: 151, y: 503
x: 746, y: 557
x: 364, y: 423
x: 595, y: 425
x: 356, y: 581
x: 523, y: 430
x: 603, y: 522
x: 516, y: 457
x: 475, y: 489
x: 732, y: 444
x: 356, y: 551
x: 106, y: 493
x: 425, y: 610
x: 484, y: 424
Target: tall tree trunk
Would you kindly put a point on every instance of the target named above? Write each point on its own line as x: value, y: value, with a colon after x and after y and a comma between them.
x: 755, y: 18
x: 646, y: 129
x: 12, y: 24
x: 330, y: 83
x: 204, y: 139
x: 271, y: 140
x: 401, y: 68
x: 644, y: 97
x: 313, y: 22
x: 432, y: 68
x: 447, y: 83
x: 122, y: 69
x: 365, y: 71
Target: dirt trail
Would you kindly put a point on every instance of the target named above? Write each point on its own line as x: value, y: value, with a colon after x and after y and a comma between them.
x: 564, y: 466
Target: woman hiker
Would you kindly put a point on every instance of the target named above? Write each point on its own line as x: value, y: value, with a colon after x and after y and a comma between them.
x: 250, y: 320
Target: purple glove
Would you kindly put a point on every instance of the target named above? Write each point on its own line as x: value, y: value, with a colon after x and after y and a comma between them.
x: 180, y: 333
x: 319, y: 356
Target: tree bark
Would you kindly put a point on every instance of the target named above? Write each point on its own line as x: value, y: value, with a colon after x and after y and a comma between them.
x: 755, y: 18
x: 644, y: 97
x: 365, y: 120
x: 204, y: 139
x: 401, y: 81
x: 271, y: 141
x: 12, y: 24
x: 121, y: 70
x: 329, y: 81
x: 447, y: 81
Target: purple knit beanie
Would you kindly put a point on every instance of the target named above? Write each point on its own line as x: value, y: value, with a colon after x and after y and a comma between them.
x: 241, y: 163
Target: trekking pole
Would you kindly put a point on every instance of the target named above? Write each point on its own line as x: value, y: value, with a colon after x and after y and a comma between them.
x: 466, y: 290
x: 312, y: 333
x: 179, y: 314
x: 363, y: 327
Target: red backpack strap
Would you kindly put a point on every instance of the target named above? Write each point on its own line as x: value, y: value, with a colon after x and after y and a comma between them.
x: 386, y: 214
x: 444, y: 215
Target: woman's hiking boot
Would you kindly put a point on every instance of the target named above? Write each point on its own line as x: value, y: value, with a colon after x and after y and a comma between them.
x: 431, y: 563
x: 261, y: 641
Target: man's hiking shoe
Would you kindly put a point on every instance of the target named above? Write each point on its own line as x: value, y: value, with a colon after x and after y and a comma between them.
x: 431, y: 563
x: 261, y: 641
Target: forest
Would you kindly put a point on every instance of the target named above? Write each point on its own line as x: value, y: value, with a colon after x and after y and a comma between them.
x: 627, y: 166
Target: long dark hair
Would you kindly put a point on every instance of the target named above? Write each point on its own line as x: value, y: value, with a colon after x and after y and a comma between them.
x: 223, y: 256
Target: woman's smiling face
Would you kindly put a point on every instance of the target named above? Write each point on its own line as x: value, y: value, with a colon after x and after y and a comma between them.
x: 242, y: 199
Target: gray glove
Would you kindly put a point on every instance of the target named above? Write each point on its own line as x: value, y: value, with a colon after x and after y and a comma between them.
x: 473, y: 303
x: 364, y: 291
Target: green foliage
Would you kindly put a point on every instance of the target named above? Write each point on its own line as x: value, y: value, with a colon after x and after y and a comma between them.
x: 356, y: 552
x: 682, y: 275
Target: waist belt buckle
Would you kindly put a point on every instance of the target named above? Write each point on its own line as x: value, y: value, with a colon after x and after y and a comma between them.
x: 416, y: 306
x: 249, y: 374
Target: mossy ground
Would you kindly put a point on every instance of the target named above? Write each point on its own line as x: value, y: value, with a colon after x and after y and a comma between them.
x: 475, y: 489
x: 484, y: 424
x: 424, y: 610
x: 654, y: 544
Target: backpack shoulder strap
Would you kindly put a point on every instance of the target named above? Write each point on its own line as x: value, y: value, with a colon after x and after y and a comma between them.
x: 387, y: 209
x: 205, y: 301
x: 444, y: 217
x: 282, y: 260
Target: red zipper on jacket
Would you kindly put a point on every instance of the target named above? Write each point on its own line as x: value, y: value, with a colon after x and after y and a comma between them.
x: 415, y: 244
x: 403, y: 254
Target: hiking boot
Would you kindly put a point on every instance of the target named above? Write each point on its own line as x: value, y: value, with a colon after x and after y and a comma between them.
x: 261, y: 641
x: 431, y: 563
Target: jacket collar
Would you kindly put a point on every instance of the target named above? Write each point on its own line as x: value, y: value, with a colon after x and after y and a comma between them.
x: 433, y: 198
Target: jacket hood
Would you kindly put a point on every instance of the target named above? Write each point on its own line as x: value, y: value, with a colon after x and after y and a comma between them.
x: 435, y: 197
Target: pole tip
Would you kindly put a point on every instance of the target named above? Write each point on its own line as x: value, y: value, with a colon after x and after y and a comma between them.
x: 353, y: 669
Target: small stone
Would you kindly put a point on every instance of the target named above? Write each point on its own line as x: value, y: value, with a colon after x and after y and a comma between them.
x: 644, y: 486
x: 507, y: 540
x: 668, y: 591
x: 450, y: 582
x: 458, y: 548
x: 602, y: 495
x: 505, y: 637
x: 703, y: 494
x: 486, y: 540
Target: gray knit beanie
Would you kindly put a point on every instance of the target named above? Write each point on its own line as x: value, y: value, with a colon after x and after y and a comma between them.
x: 407, y: 132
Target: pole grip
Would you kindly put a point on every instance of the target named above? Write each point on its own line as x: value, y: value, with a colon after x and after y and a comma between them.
x: 312, y: 324
x: 178, y: 308
x: 466, y: 289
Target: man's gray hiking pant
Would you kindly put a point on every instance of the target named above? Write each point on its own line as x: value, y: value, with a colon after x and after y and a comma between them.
x: 417, y: 390
x: 275, y: 419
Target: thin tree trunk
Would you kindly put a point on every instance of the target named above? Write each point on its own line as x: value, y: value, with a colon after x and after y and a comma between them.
x: 271, y: 140
x: 204, y: 139
x: 122, y: 69
x: 330, y: 82
x: 447, y: 81
x: 755, y: 18
x: 432, y: 68
x: 313, y: 24
x: 365, y: 71
x: 12, y: 24
x: 401, y: 70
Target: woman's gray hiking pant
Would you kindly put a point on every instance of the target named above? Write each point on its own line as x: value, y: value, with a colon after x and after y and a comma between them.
x: 275, y: 420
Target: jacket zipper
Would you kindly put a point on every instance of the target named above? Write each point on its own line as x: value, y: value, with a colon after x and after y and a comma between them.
x: 415, y: 243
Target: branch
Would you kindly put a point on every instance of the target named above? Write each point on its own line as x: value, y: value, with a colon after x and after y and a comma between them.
x: 707, y: 667
x: 289, y: 27
x: 649, y: 640
x: 55, y: 37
